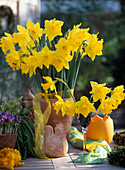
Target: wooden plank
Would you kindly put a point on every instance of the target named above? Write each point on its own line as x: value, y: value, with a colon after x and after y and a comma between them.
x: 33, y: 168
x: 64, y: 162
x: 34, y: 163
x: 37, y: 160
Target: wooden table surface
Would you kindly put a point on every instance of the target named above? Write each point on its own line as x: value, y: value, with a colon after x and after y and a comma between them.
x: 66, y: 162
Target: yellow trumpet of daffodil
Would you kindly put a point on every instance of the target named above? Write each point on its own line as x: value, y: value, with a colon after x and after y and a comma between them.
x: 7, y: 43
x: 34, y: 30
x: 84, y: 106
x: 50, y: 84
x: 53, y: 28
x: 94, y: 47
x: 98, y: 91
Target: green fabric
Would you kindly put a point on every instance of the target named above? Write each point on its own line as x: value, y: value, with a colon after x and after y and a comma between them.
x: 100, y: 152
x: 79, y: 145
x: 89, y: 158
x: 74, y: 135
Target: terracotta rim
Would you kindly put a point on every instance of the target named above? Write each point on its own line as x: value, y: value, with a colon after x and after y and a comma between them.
x: 53, y: 100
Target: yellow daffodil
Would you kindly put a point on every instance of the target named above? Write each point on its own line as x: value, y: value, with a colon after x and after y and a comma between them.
x: 7, y: 43
x: 84, y: 106
x: 50, y: 84
x: 32, y: 64
x: 98, y: 91
x: 70, y: 108
x: 34, y: 30
x: 118, y: 93
x: 59, y: 61
x: 67, y: 107
x: 14, y: 60
x: 25, y: 68
x: 44, y: 57
x: 94, y: 47
x: 59, y: 105
x: 63, y: 46
x: 107, y: 106
x: 23, y: 51
x: 62, y: 54
x: 53, y: 28
x: 77, y: 36
x: 22, y: 37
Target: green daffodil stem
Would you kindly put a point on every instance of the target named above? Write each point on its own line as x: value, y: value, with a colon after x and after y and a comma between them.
x: 67, y: 88
x: 91, y: 98
x: 77, y: 69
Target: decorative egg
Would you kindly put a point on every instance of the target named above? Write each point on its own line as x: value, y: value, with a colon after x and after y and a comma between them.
x: 101, y: 129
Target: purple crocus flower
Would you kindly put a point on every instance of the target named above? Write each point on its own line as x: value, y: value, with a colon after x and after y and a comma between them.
x: 2, y: 114
x: 11, y: 118
x: 2, y: 120
x: 19, y: 118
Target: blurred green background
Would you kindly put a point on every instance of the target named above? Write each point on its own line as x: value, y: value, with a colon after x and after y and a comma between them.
x: 105, y: 17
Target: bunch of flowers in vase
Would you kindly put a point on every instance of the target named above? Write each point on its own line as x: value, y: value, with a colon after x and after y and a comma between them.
x: 48, y: 54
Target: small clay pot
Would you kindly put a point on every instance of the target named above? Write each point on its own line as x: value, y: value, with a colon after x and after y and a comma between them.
x: 8, y: 141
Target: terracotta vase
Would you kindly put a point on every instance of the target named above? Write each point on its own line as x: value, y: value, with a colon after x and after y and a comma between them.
x: 56, y: 131
x: 8, y: 141
x: 54, y: 118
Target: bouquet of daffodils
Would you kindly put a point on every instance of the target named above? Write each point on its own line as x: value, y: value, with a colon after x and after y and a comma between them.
x: 108, y: 99
x: 46, y: 53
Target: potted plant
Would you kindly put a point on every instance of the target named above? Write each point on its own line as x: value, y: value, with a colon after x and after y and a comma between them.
x: 22, y: 128
x: 8, y: 129
x: 46, y: 52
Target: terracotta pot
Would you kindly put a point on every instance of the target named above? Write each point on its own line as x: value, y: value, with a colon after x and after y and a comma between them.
x: 8, y: 141
x: 101, y: 129
x: 54, y: 118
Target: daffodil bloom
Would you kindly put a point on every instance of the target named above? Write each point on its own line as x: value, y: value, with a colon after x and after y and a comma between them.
x: 84, y: 106
x: 67, y: 107
x: 44, y: 57
x: 50, y: 84
x: 59, y: 105
x: 53, y: 28
x: 7, y: 43
x: 107, y: 106
x: 34, y: 30
x: 22, y: 37
x: 94, y: 47
x: 23, y: 51
x: 77, y: 36
x: 14, y: 60
x: 31, y: 63
x: 63, y: 46
x: 59, y: 60
x: 98, y: 91
x: 25, y: 68
x: 118, y: 93
x: 70, y: 108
